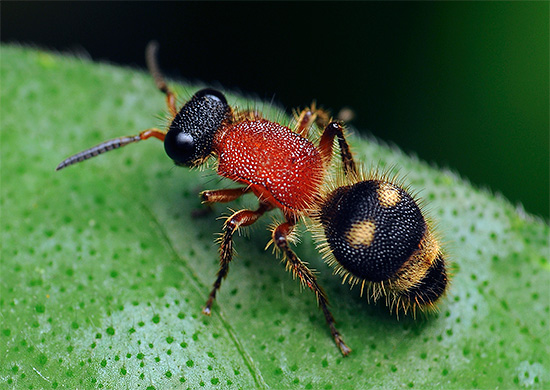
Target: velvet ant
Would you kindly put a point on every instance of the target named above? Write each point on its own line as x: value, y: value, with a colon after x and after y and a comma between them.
x: 369, y: 228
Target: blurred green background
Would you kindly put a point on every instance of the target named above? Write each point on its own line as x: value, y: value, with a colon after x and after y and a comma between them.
x: 464, y: 85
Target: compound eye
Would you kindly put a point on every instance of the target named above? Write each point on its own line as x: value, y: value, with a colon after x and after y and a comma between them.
x: 180, y: 147
x: 211, y: 94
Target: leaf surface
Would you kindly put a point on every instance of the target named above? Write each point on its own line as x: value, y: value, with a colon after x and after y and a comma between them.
x: 104, y: 272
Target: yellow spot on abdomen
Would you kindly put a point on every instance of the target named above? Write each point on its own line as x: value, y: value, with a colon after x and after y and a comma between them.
x: 361, y: 234
x: 388, y: 195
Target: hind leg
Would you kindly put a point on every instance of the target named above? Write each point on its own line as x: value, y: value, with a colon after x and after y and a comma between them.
x: 298, y: 268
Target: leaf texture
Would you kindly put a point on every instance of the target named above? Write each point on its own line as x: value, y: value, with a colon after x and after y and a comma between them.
x: 104, y: 271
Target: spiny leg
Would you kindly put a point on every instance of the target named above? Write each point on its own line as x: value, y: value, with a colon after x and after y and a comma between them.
x: 154, y: 69
x: 238, y: 219
x: 308, y: 116
x: 223, y: 196
x: 209, y: 197
x: 280, y: 235
x: 335, y: 129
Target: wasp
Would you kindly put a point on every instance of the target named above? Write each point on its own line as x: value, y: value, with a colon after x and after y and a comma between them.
x: 369, y: 227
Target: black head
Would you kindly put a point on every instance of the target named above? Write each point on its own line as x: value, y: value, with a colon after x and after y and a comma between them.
x: 189, y: 139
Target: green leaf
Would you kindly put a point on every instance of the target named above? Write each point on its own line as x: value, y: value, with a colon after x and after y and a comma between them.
x: 104, y: 272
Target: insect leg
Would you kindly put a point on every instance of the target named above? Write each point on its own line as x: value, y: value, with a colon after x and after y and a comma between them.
x: 223, y: 196
x: 306, y: 276
x: 307, y: 117
x: 152, y: 64
x: 335, y: 129
x: 238, y: 219
x: 209, y: 197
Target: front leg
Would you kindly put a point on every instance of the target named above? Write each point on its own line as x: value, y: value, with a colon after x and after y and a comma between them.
x: 223, y: 196
x: 280, y: 235
x: 238, y: 219
x: 209, y: 197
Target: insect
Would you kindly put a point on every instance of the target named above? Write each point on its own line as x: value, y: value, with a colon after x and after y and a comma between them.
x: 369, y: 228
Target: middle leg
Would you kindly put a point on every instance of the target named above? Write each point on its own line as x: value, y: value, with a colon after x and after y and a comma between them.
x: 238, y: 219
x: 307, y: 117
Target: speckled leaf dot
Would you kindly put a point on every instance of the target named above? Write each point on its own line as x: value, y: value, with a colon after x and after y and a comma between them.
x: 104, y: 272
